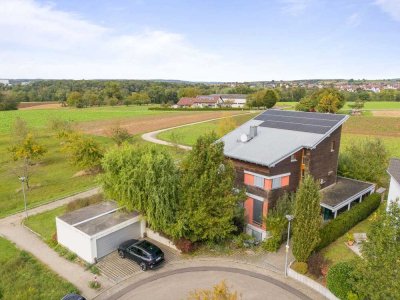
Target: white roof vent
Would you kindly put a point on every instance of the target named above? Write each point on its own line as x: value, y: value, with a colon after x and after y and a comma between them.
x: 244, y: 138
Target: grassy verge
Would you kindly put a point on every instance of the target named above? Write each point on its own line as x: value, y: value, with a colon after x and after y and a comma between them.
x: 23, y: 277
x: 189, y: 134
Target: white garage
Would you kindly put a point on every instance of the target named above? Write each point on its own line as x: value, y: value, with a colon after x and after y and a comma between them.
x: 95, y: 231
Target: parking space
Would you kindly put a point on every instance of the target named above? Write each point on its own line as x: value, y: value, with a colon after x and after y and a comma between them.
x: 118, y: 269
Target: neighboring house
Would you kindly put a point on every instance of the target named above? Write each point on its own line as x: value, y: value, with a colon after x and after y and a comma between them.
x: 215, y: 100
x: 394, y: 187
x: 95, y: 231
x: 273, y: 152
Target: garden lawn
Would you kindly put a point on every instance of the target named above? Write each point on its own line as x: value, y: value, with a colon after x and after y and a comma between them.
x: 188, y: 135
x: 23, y: 277
x: 376, y: 105
x: 45, y: 223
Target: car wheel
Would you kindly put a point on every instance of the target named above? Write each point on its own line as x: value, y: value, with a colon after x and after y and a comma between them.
x: 121, y: 253
x: 143, y: 266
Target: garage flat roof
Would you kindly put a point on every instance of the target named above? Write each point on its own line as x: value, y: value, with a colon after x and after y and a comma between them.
x: 97, y: 218
x: 107, y: 221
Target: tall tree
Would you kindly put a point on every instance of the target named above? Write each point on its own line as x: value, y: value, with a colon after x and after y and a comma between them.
x: 144, y: 179
x: 307, y: 220
x: 377, y: 274
x: 365, y: 160
x: 208, y: 201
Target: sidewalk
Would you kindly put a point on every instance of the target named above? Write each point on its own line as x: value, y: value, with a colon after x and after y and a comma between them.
x: 11, y: 228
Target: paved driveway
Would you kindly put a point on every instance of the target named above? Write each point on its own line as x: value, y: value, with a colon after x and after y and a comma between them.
x: 118, y: 269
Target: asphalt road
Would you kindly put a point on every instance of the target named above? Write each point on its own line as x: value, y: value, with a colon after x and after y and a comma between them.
x: 177, y: 284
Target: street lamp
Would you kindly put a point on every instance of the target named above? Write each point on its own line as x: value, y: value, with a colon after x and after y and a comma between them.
x: 290, y: 218
x: 23, y: 179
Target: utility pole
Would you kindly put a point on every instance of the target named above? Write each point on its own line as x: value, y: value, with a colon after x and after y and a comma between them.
x: 290, y: 218
x: 23, y: 179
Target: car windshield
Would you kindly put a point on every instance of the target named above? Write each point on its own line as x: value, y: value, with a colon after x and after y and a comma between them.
x: 150, y: 248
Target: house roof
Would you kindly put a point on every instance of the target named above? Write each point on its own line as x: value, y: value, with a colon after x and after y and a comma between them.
x: 279, y: 135
x: 97, y: 218
x: 207, y: 99
x: 345, y: 190
x: 231, y: 96
x: 394, y: 168
x: 186, y: 101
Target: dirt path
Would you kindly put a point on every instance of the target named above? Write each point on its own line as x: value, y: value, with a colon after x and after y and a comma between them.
x: 154, y: 122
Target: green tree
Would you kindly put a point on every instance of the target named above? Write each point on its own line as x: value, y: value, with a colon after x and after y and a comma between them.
x: 83, y: 151
x: 208, y: 201
x: 189, y: 92
x: 90, y: 98
x: 144, y: 179
x: 263, y: 98
x: 377, y: 274
x: 27, y: 150
x: 75, y: 99
x: 307, y: 220
x: 365, y: 160
x: 306, y: 104
x: 322, y: 100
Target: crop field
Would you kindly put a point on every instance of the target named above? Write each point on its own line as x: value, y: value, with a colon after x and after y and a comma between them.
x: 24, y: 277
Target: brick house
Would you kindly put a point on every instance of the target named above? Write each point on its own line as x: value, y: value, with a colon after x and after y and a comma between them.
x: 272, y: 152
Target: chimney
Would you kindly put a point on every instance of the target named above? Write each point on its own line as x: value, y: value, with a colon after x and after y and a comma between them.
x: 253, y: 131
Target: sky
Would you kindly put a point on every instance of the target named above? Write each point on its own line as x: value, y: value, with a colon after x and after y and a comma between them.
x: 203, y: 40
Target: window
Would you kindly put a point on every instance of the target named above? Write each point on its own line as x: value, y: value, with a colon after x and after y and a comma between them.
x: 259, y: 181
x: 293, y: 158
x: 332, y: 146
x: 257, y: 211
x: 276, y: 183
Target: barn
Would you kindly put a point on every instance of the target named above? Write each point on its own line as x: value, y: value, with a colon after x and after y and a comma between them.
x: 95, y: 231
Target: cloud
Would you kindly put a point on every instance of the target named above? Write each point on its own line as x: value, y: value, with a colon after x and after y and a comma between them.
x: 40, y: 41
x: 391, y: 7
x: 295, y: 7
x: 353, y: 20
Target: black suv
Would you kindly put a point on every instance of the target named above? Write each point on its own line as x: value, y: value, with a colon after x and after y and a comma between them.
x: 146, y: 254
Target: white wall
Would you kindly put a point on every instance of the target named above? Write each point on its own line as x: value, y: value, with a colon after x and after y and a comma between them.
x: 74, y: 240
x: 394, y: 191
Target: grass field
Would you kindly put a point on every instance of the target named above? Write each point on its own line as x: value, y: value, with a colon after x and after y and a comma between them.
x: 23, y: 277
x: 368, y: 105
x: 39, y: 118
x: 189, y: 134
x: 45, y: 223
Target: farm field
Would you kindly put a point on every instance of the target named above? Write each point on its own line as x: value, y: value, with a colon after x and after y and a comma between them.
x: 23, y: 277
x: 189, y: 134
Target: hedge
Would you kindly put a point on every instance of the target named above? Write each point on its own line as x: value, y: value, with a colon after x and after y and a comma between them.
x: 347, y: 220
x: 338, y: 279
x: 198, y: 109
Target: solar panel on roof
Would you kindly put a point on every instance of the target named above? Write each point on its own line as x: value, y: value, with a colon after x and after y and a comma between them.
x: 299, y: 121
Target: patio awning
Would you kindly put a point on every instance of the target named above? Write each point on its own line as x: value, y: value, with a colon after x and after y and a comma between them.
x: 344, y: 192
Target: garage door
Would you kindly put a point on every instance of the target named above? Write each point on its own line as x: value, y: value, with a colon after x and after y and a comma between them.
x: 110, y: 242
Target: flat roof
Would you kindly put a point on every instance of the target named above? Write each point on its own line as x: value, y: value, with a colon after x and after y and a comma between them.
x: 107, y: 221
x: 342, y: 191
x: 97, y: 218
x: 88, y: 212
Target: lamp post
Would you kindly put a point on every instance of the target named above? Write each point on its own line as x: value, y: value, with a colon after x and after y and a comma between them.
x: 290, y: 218
x: 23, y: 179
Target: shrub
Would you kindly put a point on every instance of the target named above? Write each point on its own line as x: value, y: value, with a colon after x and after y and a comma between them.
x: 315, y: 263
x: 185, y: 245
x: 239, y: 240
x: 345, y: 221
x: 300, y: 267
x: 338, y: 279
x: 272, y: 244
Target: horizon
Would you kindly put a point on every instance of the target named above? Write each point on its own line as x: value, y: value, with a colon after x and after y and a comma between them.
x: 235, y: 41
